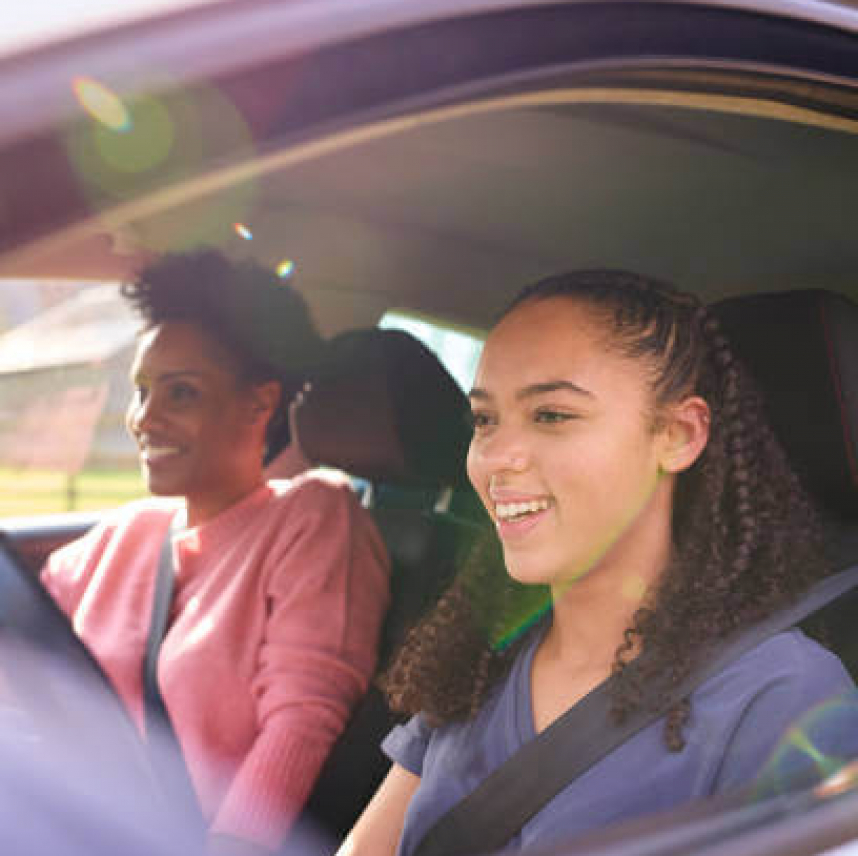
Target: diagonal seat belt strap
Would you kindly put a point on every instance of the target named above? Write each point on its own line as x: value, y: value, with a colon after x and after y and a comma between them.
x: 162, y: 598
x: 491, y: 815
x: 164, y: 748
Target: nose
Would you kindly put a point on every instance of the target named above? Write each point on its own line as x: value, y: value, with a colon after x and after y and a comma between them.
x: 141, y: 414
x: 503, y: 449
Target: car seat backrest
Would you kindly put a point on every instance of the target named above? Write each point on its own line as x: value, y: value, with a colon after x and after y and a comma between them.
x: 384, y: 409
x: 801, y: 348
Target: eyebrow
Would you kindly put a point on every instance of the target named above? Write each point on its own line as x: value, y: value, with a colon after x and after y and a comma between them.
x: 176, y: 374
x: 535, y: 389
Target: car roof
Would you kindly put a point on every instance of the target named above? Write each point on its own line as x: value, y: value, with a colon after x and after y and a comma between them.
x: 47, y: 22
x: 445, y: 197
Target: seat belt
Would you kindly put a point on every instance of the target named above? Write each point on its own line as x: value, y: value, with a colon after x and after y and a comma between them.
x: 164, y: 748
x: 485, y: 820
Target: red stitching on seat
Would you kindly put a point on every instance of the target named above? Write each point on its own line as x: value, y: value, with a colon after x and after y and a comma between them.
x: 844, y: 422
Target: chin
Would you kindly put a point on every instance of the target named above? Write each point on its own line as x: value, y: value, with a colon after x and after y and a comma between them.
x: 164, y: 487
x: 533, y: 571
x: 528, y: 572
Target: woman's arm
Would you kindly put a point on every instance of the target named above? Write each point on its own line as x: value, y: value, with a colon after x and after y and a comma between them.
x: 326, y: 598
x: 379, y: 828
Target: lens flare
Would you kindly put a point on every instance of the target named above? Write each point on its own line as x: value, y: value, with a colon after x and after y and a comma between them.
x: 177, y: 137
x: 242, y: 231
x: 503, y: 609
x: 147, y: 145
x: 285, y: 269
x: 814, y: 749
x: 524, y: 611
x: 102, y: 104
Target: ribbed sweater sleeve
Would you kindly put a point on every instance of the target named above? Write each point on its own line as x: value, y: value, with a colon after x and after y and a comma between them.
x: 326, y: 593
x: 277, y: 608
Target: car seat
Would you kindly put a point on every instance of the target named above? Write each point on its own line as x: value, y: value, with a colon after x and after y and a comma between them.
x: 386, y: 411
x: 801, y: 348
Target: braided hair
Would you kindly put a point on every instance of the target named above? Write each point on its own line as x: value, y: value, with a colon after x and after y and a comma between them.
x: 745, y: 535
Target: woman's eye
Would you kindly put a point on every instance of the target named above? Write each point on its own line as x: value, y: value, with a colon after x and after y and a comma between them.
x: 183, y: 392
x: 140, y: 393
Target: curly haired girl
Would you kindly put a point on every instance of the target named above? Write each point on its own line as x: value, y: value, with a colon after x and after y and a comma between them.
x: 625, y: 460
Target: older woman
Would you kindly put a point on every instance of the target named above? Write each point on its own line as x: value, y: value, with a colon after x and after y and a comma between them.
x: 279, y: 588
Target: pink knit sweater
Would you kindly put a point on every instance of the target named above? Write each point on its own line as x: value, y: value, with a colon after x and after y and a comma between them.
x: 272, y: 638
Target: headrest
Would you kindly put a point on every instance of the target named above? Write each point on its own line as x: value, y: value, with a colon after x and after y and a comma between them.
x: 385, y: 409
x: 801, y: 347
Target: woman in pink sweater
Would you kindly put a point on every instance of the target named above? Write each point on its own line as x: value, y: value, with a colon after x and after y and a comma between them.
x: 279, y: 588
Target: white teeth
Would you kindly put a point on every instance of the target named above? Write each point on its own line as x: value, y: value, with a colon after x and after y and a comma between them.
x: 511, y: 510
x: 153, y: 453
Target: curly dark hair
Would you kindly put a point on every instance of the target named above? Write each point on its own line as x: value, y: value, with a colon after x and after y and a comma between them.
x: 746, y: 537
x: 256, y: 318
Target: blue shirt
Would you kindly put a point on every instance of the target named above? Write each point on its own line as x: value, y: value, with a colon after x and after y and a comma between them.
x: 738, y: 720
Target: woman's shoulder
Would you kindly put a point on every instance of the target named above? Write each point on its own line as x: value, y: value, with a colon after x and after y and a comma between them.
x: 315, y: 489
x: 124, y: 525
x: 150, y: 509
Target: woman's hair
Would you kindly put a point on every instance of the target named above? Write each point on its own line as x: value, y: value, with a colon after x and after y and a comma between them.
x: 745, y: 535
x: 257, y: 319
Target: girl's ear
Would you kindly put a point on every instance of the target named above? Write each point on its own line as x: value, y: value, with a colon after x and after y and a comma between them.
x: 685, y: 431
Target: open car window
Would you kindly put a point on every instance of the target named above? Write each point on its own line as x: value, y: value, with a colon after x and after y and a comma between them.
x: 458, y: 351
x: 65, y: 354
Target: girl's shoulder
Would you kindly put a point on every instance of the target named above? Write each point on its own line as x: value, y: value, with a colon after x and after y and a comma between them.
x: 792, y: 651
x: 789, y: 658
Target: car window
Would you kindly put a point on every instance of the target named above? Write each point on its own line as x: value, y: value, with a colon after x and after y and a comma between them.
x: 458, y: 351
x: 65, y: 352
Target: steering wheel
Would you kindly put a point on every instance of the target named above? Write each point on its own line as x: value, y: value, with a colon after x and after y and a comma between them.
x: 80, y: 777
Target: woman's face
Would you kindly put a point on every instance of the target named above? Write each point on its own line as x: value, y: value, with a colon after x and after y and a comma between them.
x: 565, y: 454
x: 199, y: 431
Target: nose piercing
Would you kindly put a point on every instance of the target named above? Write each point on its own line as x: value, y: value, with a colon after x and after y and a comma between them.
x: 517, y: 462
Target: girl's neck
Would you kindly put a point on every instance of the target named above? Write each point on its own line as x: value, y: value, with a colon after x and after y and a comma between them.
x: 592, y: 613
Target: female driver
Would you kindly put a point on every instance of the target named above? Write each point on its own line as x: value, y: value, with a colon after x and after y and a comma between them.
x: 279, y: 588
x: 628, y: 469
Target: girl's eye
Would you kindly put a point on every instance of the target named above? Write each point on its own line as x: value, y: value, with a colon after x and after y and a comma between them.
x: 552, y: 417
x: 479, y: 420
x: 140, y: 393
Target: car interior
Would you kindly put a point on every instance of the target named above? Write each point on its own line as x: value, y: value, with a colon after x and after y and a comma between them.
x: 409, y: 447
x: 435, y: 169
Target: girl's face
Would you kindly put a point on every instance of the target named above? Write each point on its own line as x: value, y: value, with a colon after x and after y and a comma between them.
x: 566, y: 455
x: 199, y: 431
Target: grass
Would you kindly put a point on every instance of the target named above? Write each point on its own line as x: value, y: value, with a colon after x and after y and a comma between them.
x: 25, y: 492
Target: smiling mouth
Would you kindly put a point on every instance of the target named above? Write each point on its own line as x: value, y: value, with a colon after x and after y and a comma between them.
x: 509, y: 512
x: 153, y: 454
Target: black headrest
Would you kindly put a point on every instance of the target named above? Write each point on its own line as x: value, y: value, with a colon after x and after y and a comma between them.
x: 386, y: 409
x: 801, y: 347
